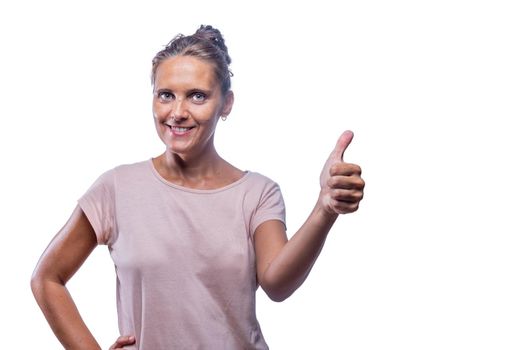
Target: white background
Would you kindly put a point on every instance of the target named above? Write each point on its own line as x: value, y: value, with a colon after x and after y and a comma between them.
x: 433, y: 90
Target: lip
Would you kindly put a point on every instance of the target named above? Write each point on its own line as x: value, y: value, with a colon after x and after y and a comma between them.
x: 179, y: 130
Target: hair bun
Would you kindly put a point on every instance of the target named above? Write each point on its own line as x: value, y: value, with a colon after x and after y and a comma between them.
x: 207, y: 32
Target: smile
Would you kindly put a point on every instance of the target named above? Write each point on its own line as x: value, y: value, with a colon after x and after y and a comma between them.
x: 179, y: 130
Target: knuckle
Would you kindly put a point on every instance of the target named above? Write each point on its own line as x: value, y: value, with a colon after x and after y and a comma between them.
x: 335, y: 169
x: 358, y: 183
x: 358, y: 195
x: 336, y: 194
x: 353, y: 207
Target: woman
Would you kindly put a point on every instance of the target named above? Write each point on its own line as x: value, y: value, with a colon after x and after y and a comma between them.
x: 191, y: 235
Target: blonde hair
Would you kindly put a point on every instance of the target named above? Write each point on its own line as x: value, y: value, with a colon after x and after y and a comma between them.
x: 207, y: 44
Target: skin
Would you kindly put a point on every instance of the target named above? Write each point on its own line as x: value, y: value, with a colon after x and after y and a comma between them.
x: 59, y: 262
x: 187, y: 95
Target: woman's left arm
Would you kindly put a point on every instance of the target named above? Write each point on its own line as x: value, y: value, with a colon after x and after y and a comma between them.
x: 282, y: 265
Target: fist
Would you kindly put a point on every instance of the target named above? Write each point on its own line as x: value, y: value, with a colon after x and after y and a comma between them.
x: 341, y: 186
x: 123, y: 341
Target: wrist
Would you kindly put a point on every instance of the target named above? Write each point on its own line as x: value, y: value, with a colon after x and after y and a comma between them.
x: 324, y: 212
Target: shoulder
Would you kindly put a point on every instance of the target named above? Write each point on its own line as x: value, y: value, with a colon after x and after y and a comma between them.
x: 132, y: 167
x: 261, y: 187
x: 260, y: 181
x: 131, y: 170
x: 259, y: 178
x: 123, y: 173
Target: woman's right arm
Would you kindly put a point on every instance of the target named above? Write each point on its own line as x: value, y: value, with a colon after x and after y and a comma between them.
x: 59, y: 262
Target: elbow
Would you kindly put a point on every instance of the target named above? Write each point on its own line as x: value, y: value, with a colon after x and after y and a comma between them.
x: 41, y: 283
x: 276, y: 290
x: 36, y: 284
x: 277, y: 297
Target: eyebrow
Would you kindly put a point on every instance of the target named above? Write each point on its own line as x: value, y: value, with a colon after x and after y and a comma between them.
x: 189, y: 92
x: 163, y: 90
x: 204, y: 91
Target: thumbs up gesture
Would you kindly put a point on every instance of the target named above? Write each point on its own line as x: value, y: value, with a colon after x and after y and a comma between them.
x: 341, y: 187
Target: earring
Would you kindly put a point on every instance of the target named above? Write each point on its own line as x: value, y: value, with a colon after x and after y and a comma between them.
x: 223, y: 117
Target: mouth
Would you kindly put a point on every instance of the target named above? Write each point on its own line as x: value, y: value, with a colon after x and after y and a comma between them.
x: 179, y: 130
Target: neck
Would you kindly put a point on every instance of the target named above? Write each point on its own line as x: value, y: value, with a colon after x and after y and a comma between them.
x: 209, y: 171
x: 192, y: 167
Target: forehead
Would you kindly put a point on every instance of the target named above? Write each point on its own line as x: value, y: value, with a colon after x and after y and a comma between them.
x: 185, y: 71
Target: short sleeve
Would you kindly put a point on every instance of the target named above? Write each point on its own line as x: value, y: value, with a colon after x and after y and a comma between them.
x: 98, y: 204
x: 270, y: 207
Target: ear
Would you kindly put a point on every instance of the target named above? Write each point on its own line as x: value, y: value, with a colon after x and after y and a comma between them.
x: 229, y: 99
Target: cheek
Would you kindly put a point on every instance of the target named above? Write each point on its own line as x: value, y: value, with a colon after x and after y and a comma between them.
x: 206, y: 114
x: 160, y: 111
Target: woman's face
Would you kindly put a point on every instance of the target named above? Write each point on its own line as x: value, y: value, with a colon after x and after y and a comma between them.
x: 187, y: 104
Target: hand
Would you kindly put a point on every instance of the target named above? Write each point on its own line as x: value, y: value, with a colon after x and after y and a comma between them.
x: 123, y: 341
x: 341, y: 187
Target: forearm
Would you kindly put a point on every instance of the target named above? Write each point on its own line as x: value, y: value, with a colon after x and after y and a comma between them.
x: 62, y: 315
x: 282, y: 266
x: 294, y: 261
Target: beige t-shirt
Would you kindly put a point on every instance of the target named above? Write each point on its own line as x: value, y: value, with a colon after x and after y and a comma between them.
x: 184, y: 258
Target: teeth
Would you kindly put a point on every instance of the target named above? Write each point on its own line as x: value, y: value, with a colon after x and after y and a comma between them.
x: 179, y: 129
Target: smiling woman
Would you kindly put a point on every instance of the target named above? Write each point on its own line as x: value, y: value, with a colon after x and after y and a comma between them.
x: 191, y: 236
x: 187, y: 105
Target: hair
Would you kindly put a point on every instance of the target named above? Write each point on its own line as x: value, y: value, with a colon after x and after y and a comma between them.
x: 207, y: 44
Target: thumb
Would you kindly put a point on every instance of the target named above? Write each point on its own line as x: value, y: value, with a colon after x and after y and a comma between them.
x: 342, y: 144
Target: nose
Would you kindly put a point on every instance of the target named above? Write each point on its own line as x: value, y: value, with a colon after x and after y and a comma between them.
x: 179, y: 111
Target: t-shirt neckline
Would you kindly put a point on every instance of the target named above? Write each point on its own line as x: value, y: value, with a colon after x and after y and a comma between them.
x: 194, y: 190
